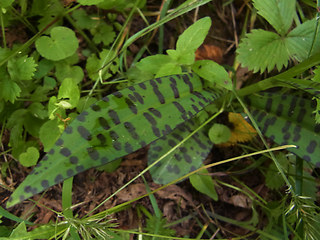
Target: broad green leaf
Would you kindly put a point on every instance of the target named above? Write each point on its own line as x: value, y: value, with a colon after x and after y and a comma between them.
x: 30, y: 157
x: 299, y: 40
x: 49, y: 134
x: 203, y: 182
x: 213, y: 72
x: 186, y: 158
x: 9, y: 90
x: 168, y: 69
x: 22, y: 68
x: 183, y: 58
x: 19, y: 231
x: 262, y: 50
x: 61, y: 44
x: 193, y: 36
x: 44, y: 67
x: 279, y: 13
x: 288, y: 119
x: 69, y: 90
x: 116, y: 126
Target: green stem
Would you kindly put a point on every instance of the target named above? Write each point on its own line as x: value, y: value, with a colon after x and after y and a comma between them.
x: 3, y: 31
x: 163, y: 12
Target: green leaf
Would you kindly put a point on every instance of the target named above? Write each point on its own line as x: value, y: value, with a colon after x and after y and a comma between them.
x: 94, y: 64
x: 83, y: 20
x: 288, y: 119
x: 30, y: 157
x: 19, y: 231
x: 213, y: 72
x: 49, y: 134
x: 278, y: 13
x: 62, y: 44
x: 44, y: 67
x: 203, y: 182
x: 69, y: 90
x: 64, y: 70
x: 9, y: 90
x: 5, y: 3
x: 103, y: 33
x: 186, y: 158
x: 21, y: 68
x: 262, y: 50
x: 193, y: 36
x: 299, y: 40
x: 116, y: 126
x: 219, y: 133
x: 89, y: 2
x: 120, y: 5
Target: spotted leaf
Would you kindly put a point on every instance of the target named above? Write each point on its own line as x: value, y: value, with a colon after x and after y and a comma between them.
x: 288, y: 119
x: 184, y: 159
x: 117, y: 125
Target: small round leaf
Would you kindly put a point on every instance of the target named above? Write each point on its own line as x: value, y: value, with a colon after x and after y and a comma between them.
x: 62, y: 44
x: 219, y: 133
x: 30, y: 157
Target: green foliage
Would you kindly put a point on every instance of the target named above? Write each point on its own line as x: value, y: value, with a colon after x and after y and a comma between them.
x: 61, y: 44
x: 203, y: 182
x: 30, y: 157
x: 219, y: 133
x: 262, y: 50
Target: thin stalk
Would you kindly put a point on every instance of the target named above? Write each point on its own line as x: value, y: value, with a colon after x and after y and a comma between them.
x: 163, y: 12
x: 315, y: 34
x: 3, y: 31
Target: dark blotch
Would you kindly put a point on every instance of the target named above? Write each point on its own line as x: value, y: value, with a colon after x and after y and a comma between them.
x: 27, y: 189
x: 312, y: 146
x: 58, y: 178
x: 102, y: 139
x: 187, y: 158
x: 117, y: 94
x: 82, y: 116
x: 150, y: 119
x: 93, y: 153
x: 68, y: 130
x: 186, y: 79
x: 155, y: 112
x: 131, y: 129
x: 70, y: 173
x: 74, y: 160
x: 104, y: 160
x: 96, y: 108
x: 45, y: 183
x: 51, y: 152
x: 142, y: 86
x: 103, y: 123
x: 157, y: 92
x: 128, y: 148
x: 59, y: 142
x: 174, y: 88
x: 84, y: 133
x: 138, y: 97
x: 179, y: 107
x: 79, y: 169
x: 172, y: 143
x: 65, y: 152
x: 131, y: 105
x: 114, y: 116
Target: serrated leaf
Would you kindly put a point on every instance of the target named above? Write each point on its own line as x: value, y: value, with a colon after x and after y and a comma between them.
x: 278, y: 13
x: 83, y: 20
x: 116, y: 126
x: 61, y: 44
x: 69, y: 90
x: 262, y: 50
x: 22, y: 68
x: 213, y: 72
x: 203, y: 182
x: 193, y: 36
x: 9, y: 90
x: 299, y: 40
x: 103, y: 33
x: 288, y: 119
x: 30, y: 157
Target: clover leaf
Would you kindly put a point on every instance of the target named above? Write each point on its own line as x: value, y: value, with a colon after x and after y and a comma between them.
x: 62, y: 44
